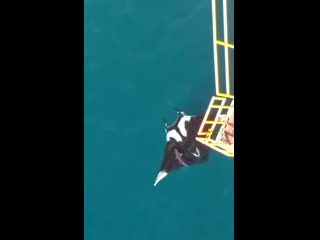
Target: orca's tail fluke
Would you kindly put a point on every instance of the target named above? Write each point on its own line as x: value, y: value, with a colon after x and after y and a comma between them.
x: 161, y: 175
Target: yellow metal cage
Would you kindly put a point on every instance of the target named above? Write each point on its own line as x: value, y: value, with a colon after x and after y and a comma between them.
x: 217, y: 128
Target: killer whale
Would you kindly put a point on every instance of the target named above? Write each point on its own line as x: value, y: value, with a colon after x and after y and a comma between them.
x: 182, y: 149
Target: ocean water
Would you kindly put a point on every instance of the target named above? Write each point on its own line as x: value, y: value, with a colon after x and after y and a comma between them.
x: 142, y: 59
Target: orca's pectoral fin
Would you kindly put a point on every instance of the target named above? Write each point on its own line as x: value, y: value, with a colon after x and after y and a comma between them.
x: 165, y: 123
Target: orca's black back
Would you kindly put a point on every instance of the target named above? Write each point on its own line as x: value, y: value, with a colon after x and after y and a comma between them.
x: 187, y: 147
x: 190, y: 144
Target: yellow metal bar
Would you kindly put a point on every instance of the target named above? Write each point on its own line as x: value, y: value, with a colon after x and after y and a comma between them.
x: 221, y: 106
x: 229, y: 45
x: 203, y: 134
x: 226, y: 50
x: 209, y: 134
x: 215, y: 122
x: 205, y: 116
x: 215, y: 50
x: 225, y: 95
x: 221, y: 97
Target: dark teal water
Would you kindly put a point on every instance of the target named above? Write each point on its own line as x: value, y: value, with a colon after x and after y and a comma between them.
x: 142, y: 59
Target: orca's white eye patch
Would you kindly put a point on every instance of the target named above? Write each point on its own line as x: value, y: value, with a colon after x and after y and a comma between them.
x: 175, y: 135
x: 182, y: 125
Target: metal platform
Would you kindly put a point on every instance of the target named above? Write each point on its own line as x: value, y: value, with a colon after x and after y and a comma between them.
x: 217, y: 128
